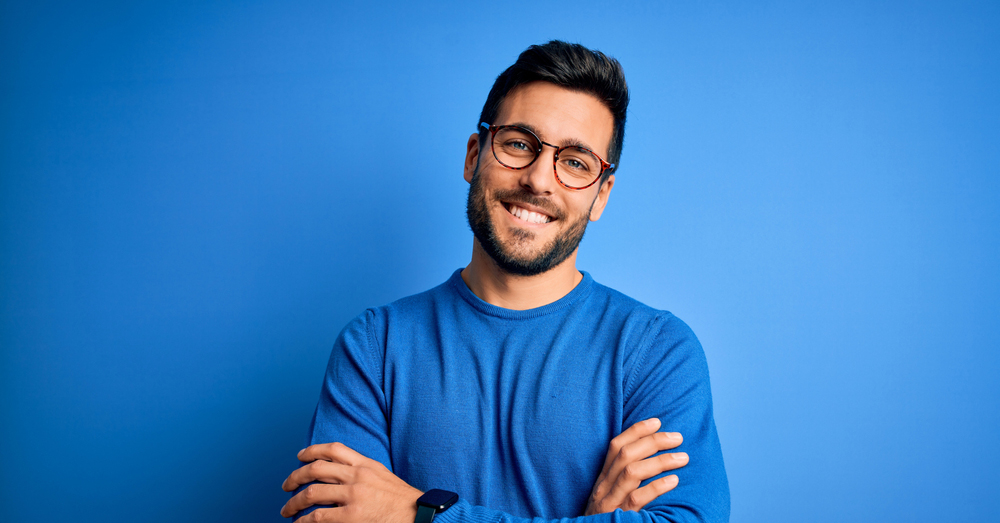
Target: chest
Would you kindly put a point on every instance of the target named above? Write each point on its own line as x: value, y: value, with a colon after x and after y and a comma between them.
x: 474, y: 412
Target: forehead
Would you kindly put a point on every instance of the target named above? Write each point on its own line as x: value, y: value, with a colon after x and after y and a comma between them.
x: 559, y: 115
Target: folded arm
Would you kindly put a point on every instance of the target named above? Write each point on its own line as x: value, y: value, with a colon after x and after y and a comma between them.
x: 667, y: 379
x: 363, y: 489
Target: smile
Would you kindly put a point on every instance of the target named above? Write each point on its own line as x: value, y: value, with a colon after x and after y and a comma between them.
x: 526, y: 215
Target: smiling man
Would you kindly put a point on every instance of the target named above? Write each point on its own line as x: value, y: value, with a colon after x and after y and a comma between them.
x: 521, y: 388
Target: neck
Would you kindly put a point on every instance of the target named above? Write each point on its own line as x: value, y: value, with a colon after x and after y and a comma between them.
x: 495, y: 286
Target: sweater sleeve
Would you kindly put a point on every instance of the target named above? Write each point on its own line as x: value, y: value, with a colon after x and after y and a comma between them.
x: 667, y: 378
x: 352, y: 405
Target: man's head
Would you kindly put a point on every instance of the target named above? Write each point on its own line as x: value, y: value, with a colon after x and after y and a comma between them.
x: 574, y: 67
x: 525, y: 219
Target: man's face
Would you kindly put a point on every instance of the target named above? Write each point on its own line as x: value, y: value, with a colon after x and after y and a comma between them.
x: 524, y: 219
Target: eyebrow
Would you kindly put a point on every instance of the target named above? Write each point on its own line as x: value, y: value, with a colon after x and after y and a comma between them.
x: 572, y: 142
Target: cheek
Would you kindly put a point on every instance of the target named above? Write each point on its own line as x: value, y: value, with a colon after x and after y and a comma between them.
x: 584, y: 204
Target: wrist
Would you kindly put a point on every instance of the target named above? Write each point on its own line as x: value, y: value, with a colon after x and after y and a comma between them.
x: 432, y: 503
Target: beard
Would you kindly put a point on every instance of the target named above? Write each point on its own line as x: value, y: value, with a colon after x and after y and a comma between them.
x: 504, y: 255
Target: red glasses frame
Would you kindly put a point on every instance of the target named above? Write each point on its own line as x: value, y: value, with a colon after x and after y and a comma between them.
x: 493, y: 129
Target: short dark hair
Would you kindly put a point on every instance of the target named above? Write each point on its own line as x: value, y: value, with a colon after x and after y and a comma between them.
x: 574, y: 67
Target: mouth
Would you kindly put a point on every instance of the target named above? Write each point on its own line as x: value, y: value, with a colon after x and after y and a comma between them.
x: 526, y: 215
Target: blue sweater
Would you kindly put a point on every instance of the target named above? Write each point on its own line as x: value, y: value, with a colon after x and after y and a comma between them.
x: 514, y: 410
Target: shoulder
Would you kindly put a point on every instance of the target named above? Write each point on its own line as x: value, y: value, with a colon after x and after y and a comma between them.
x: 653, y: 339
x: 416, y: 305
x: 417, y: 309
x: 637, y: 316
x: 363, y: 339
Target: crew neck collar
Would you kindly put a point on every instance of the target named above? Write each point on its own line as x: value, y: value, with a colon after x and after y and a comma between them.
x: 582, y: 289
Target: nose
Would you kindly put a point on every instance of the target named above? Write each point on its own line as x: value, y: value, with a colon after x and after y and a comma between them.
x: 539, y: 177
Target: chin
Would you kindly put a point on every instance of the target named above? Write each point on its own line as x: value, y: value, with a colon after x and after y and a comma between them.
x: 504, y: 251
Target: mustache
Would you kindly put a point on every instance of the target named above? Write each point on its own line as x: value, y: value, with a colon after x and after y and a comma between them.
x: 522, y: 196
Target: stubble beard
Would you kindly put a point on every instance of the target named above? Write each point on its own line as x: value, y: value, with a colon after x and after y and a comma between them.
x: 485, y: 231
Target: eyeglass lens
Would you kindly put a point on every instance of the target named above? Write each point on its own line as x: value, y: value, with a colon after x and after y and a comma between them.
x: 516, y: 148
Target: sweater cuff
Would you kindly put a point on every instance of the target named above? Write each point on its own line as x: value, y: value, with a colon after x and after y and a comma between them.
x: 465, y: 512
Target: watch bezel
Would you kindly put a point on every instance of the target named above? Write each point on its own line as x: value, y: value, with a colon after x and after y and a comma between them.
x: 437, y: 499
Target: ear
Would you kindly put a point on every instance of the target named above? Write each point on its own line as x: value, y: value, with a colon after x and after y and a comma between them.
x: 471, y: 156
x: 602, y: 198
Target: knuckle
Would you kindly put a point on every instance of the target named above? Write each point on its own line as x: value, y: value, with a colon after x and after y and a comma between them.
x: 660, y: 486
x: 632, y: 501
x: 629, y: 473
x: 309, y: 494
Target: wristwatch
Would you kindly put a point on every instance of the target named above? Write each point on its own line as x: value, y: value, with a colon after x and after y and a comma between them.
x: 432, y: 502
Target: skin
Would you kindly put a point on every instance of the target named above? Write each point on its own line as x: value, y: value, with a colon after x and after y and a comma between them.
x: 363, y: 489
x: 558, y: 116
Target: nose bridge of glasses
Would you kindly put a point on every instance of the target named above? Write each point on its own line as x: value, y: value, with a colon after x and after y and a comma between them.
x: 538, y: 174
x: 541, y: 143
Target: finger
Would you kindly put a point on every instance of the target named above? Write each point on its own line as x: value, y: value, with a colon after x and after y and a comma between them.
x: 633, y: 474
x: 656, y: 465
x: 331, y: 452
x: 315, y: 494
x: 631, y: 434
x: 642, y: 496
x: 641, y: 449
x: 319, y: 470
x: 323, y: 514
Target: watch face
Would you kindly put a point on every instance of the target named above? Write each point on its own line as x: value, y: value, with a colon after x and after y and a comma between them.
x: 438, y: 499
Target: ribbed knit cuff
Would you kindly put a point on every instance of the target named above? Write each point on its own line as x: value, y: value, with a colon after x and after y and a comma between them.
x: 465, y: 512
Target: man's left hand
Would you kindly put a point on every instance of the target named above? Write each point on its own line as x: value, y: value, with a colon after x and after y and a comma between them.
x: 628, y: 464
x: 362, y: 489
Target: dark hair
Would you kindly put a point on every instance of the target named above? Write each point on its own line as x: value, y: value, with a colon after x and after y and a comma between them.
x: 574, y: 67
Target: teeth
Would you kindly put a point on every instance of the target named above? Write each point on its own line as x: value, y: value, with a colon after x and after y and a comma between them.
x: 529, y: 216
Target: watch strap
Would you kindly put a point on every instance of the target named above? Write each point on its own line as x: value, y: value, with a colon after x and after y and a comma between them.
x: 425, y: 514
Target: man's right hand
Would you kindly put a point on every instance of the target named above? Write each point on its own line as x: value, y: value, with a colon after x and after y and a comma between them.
x: 628, y: 463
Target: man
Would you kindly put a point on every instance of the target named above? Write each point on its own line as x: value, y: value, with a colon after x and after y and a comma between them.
x: 520, y: 384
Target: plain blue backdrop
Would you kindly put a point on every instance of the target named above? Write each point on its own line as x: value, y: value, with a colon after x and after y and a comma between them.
x: 196, y: 196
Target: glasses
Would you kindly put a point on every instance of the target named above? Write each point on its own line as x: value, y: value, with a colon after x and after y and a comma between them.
x: 516, y: 148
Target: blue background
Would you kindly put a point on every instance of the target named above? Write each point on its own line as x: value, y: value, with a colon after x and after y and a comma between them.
x: 196, y: 196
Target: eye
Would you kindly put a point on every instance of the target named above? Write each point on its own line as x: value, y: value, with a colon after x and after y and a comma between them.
x: 520, y: 145
x: 578, y: 162
x: 516, y: 145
